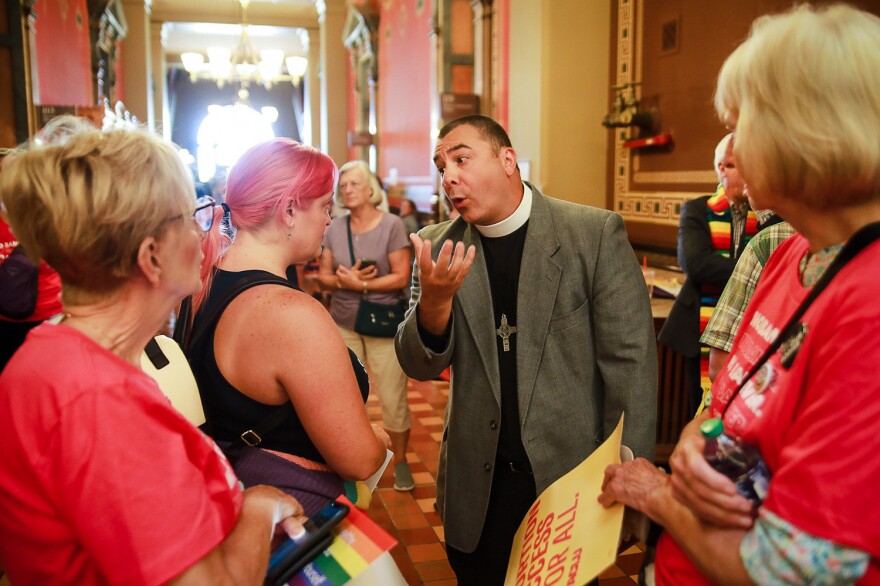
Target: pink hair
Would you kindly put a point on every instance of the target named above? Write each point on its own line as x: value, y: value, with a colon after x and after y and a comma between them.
x: 257, y: 189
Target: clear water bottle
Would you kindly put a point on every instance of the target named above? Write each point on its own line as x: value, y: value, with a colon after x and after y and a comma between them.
x: 737, y: 460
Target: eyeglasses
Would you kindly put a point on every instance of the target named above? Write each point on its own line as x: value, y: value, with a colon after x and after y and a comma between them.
x: 204, y: 214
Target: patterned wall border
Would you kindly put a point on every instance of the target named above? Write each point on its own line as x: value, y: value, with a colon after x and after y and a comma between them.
x: 660, y: 207
x: 699, y: 177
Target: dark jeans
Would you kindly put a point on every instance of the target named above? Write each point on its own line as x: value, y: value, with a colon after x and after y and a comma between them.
x: 693, y: 382
x: 513, y: 493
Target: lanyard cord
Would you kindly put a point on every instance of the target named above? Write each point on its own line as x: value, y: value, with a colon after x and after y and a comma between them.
x: 859, y: 241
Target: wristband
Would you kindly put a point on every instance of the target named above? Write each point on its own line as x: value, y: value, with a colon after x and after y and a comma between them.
x: 365, y: 288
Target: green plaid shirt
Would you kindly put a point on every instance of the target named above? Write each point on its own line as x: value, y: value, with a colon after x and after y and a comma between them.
x: 728, y: 314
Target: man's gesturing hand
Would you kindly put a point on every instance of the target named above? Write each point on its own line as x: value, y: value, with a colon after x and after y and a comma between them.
x: 440, y: 280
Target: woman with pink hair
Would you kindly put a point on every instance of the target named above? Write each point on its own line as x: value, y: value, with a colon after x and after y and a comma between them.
x: 274, y: 348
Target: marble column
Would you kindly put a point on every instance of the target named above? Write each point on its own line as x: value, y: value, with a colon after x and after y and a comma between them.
x: 158, y: 35
x: 313, y: 90
x: 333, y: 79
x: 136, y: 62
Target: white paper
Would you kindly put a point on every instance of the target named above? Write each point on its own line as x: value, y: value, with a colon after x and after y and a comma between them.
x: 373, y: 480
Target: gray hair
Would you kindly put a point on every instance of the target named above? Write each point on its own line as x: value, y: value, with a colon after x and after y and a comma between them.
x: 720, y: 151
x: 806, y: 118
x: 377, y: 194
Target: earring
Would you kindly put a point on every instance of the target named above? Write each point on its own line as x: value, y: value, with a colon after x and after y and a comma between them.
x: 289, y: 234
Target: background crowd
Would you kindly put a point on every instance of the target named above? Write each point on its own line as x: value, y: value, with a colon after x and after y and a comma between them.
x: 537, y: 306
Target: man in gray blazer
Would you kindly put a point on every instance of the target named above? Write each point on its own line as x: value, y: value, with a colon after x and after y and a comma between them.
x: 541, y: 309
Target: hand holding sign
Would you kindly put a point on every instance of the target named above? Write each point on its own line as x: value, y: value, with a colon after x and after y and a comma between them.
x: 567, y: 537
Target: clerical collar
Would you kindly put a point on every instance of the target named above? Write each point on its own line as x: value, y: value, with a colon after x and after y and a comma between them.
x: 514, y: 221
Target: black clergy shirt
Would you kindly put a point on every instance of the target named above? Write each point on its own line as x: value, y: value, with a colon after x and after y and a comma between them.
x: 503, y: 260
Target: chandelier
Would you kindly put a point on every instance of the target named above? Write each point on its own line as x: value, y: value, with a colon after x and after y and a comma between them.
x: 242, y: 64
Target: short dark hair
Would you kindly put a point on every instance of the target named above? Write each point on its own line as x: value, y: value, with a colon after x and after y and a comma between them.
x: 488, y: 128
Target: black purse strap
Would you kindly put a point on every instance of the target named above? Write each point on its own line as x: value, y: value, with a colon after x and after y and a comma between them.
x: 857, y: 243
x: 254, y: 436
x: 350, y: 245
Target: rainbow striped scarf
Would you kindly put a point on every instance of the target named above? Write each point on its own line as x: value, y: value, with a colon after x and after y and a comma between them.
x: 719, y: 217
x: 720, y: 220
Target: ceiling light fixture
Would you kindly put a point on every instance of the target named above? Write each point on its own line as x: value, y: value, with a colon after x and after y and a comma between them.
x: 242, y: 64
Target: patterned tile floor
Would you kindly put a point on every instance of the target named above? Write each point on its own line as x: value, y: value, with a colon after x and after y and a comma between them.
x: 410, y: 516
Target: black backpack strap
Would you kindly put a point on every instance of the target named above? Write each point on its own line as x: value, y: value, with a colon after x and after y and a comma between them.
x: 155, y: 354
x: 207, y: 316
x: 211, y: 312
x: 183, y: 323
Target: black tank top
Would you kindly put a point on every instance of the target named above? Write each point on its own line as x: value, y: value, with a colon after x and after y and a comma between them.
x: 230, y: 412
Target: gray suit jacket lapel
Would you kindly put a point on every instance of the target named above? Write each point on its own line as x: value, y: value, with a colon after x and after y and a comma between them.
x: 538, y: 283
x: 475, y: 298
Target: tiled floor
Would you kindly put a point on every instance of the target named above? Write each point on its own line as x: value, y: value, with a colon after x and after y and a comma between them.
x: 410, y: 516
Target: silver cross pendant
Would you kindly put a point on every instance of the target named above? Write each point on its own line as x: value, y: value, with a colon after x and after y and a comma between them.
x: 505, y: 331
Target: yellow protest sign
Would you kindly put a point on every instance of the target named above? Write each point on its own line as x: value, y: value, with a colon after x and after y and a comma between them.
x: 567, y: 537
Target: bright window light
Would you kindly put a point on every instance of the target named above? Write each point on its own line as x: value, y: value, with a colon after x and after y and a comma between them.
x: 226, y: 133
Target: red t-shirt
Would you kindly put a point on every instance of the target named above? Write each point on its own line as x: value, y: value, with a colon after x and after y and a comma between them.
x: 101, y: 480
x: 814, y: 422
x: 48, y: 281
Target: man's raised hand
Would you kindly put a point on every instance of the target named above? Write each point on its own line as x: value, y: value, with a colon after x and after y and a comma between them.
x: 440, y: 280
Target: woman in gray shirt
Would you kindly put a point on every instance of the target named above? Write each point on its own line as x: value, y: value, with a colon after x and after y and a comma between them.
x: 376, y: 267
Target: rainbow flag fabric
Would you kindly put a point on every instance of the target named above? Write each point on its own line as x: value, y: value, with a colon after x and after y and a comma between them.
x: 357, y: 543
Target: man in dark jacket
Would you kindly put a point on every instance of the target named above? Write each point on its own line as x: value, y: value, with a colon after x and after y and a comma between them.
x: 713, y: 231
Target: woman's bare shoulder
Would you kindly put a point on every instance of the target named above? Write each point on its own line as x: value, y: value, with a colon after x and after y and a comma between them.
x: 280, y: 323
x: 279, y: 306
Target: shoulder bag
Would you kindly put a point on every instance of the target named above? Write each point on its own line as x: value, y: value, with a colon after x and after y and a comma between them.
x: 379, y: 320
x: 18, y: 285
